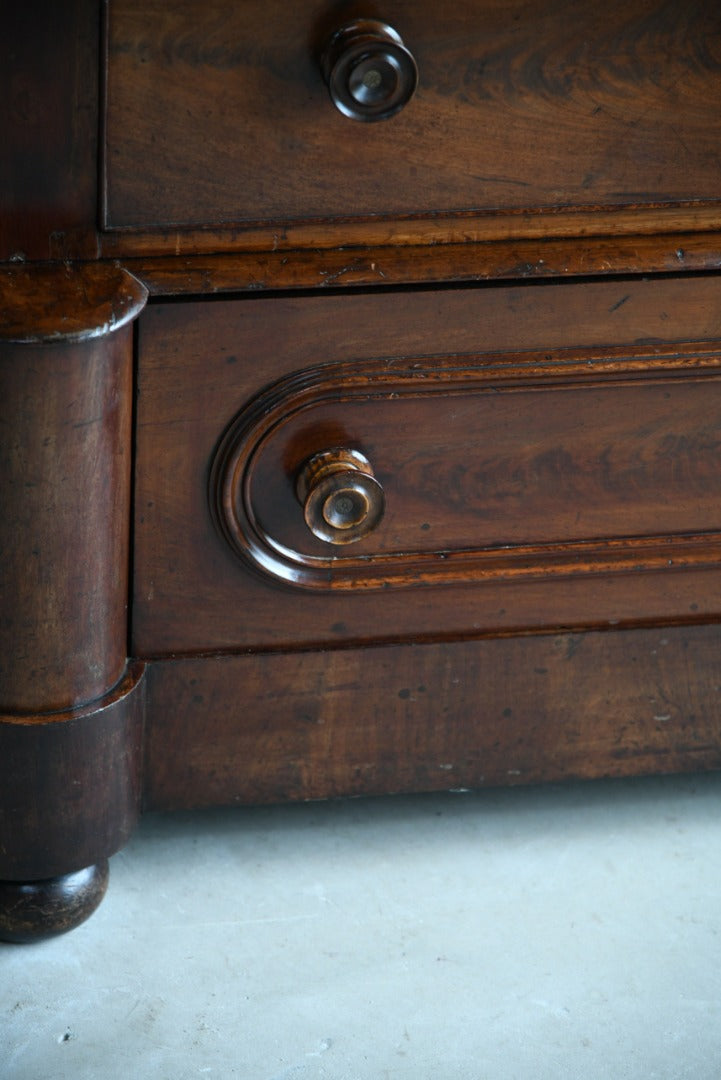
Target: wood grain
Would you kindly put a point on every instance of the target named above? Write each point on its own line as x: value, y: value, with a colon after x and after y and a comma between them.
x: 203, y: 365
x: 520, y: 108
x: 34, y: 911
x: 385, y: 265
x: 65, y: 443
x: 649, y: 225
x: 268, y: 728
x: 480, y: 460
x: 71, y: 783
x: 69, y: 303
x: 49, y: 64
x: 542, y: 599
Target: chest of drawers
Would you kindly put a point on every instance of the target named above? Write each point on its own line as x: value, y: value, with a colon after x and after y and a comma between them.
x: 361, y: 409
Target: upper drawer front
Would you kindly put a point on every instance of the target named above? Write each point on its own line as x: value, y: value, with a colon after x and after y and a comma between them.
x: 218, y: 114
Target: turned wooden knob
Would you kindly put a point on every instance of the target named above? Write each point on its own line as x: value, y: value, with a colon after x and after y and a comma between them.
x: 342, y: 500
x: 370, y: 73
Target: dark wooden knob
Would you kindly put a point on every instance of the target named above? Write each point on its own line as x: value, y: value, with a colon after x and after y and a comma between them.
x: 342, y: 500
x: 370, y: 73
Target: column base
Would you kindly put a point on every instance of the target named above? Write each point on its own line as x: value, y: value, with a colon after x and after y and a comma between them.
x: 34, y: 910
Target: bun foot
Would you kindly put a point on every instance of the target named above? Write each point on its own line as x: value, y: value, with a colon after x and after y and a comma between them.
x: 33, y: 910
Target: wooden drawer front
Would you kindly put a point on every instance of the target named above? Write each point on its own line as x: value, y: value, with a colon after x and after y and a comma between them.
x: 482, y: 477
x: 218, y: 114
x: 578, y: 485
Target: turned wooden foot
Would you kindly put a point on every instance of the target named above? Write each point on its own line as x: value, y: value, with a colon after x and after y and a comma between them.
x: 34, y: 910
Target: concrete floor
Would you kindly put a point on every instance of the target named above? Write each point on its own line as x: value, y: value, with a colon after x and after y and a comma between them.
x: 536, y: 934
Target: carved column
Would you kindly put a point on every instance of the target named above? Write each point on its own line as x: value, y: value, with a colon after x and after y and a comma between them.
x: 71, y: 707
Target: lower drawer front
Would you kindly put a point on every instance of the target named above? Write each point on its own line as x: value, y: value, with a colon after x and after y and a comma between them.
x: 500, y: 459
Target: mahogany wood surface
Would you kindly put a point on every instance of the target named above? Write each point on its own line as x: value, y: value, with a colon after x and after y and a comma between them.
x: 71, y: 788
x: 64, y: 303
x: 35, y: 910
x: 472, y: 228
x: 506, y: 298
x: 64, y: 530
x: 591, y: 464
x: 411, y: 264
x: 49, y: 63
x: 306, y: 725
x: 520, y: 107
x: 541, y: 449
x: 71, y: 710
x: 66, y: 408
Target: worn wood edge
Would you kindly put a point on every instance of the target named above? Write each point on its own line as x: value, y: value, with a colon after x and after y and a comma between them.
x: 573, y: 223
x: 131, y: 679
x: 453, y: 263
x: 582, y: 559
x: 49, y: 303
x: 220, y: 269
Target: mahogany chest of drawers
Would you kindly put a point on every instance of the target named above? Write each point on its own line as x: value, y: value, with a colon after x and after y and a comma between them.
x: 361, y: 408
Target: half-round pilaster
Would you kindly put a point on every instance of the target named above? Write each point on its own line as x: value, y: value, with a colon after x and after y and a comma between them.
x: 70, y: 710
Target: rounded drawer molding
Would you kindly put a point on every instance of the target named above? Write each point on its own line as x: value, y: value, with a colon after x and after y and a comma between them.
x: 475, y: 469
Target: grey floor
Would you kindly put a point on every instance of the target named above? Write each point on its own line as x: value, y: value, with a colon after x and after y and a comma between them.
x: 544, y: 933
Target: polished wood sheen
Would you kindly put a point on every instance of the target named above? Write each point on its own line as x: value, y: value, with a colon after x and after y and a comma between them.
x: 371, y: 75
x: 480, y: 338
x: 413, y: 264
x: 342, y: 500
x: 65, y: 405
x: 522, y: 109
x: 83, y: 767
x: 66, y: 304
x: 71, y: 707
x: 511, y: 465
x: 36, y: 910
x: 590, y: 465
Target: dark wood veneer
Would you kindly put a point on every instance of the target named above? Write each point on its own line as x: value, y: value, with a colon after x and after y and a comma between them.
x: 506, y: 299
x: 203, y: 369
x: 66, y: 401
x: 414, y: 264
x: 520, y: 108
x: 82, y: 767
x: 432, y: 717
x: 71, y: 708
x: 49, y: 62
